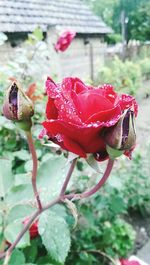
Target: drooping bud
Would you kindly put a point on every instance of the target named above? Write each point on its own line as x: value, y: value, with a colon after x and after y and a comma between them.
x: 17, y: 106
x: 122, y: 136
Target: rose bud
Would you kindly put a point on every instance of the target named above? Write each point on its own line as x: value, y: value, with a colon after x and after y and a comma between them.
x: 122, y: 136
x: 64, y: 40
x: 33, y: 230
x: 17, y: 106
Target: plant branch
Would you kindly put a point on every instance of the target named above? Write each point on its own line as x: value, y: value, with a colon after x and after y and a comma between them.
x: 96, y: 187
x: 7, y: 258
x: 23, y: 75
x: 64, y: 187
x: 102, y: 254
x: 59, y: 199
x: 27, y: 226
x: 35, y: 165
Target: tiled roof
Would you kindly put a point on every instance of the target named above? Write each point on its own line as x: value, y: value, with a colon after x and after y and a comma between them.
x: 25, y: 15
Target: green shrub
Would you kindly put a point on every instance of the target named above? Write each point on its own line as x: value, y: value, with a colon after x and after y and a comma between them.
x: 113, y: 38
x: 94, y: 233
x: 137, y: 185
x: 102, y: 229
x: 145, y: 68
x: 124, y: 76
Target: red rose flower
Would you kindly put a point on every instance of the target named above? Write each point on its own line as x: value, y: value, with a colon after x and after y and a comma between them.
x: 33, y: 230
x: 64, y: 40
x: 78, y: 115
x: 127, y: 262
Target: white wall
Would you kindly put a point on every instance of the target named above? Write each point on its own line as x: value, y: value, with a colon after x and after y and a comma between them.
x: 75, y: 61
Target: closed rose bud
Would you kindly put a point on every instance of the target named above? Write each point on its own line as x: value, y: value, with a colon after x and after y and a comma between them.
x: 17, y: 106
x: 122, y: 136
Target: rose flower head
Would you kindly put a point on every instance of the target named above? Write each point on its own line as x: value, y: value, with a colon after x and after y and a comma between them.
x: 64, y: 40
x: 79, y: 118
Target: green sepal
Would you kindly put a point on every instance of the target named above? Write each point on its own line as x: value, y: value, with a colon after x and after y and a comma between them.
x: 113, y: 153
x: 24, y: 125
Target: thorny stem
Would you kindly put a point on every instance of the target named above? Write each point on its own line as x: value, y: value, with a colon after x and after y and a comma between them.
x: 61, y: 198
x: 64, y: 187
x: 35, y: 165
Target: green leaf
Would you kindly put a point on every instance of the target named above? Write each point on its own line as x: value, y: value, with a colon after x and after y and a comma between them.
x: 22, y: 155
x: 117, y: 204
x: 30, y: 264
x: 6, y: 177
x: 20, y: 194
x: 28, y: 166
x: 38, y: 34
x: 55, y: 235
x: 12, y: 230
x: 51, y: 176
x: 35, y: 37
x: 21, y: 179
x: 46, y: 260
x: 17, y: 258
x: 31, y: 252
x: 60, y: 210
x: 20, y: 212
x: 113, y: 153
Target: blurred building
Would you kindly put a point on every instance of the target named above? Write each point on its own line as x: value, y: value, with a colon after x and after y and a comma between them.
x: 85, y: 54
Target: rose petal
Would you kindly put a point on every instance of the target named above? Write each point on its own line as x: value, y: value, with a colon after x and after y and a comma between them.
x: 110, y: 117
x: 67, y: 110
x: 90, y: 142
x: 51, y: 110
x: 108, y: 92
x: 90, y: 103
x: 73, y: 147
x: 52, y: 89
x: 127, y: 101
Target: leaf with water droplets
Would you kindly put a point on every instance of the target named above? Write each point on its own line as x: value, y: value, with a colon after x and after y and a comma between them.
x: 55, y: 235
x: 51, y: 175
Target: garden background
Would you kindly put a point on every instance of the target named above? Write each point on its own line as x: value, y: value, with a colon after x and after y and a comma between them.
x: 115, y: 222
